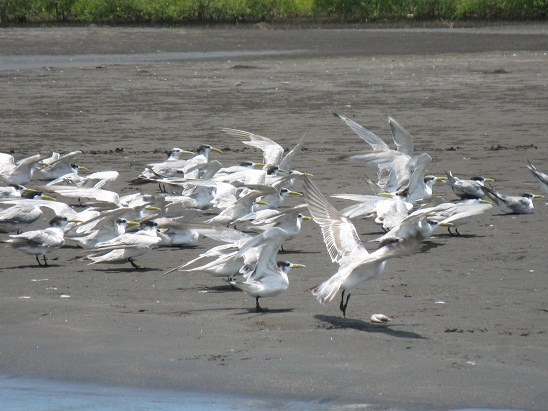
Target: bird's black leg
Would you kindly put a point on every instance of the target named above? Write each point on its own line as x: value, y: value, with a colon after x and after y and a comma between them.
x: 257, y: 306
x: 457, y: 231
x: 344, y: 304
x: 38, y: 260
x: 450, y: 233
x: 45, y: 261
x: 130, y: 259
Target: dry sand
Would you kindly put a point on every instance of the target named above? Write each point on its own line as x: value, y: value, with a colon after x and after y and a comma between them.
x: 469, y: 313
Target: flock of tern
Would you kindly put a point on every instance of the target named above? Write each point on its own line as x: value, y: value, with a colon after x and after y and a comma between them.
x: 245, y: 211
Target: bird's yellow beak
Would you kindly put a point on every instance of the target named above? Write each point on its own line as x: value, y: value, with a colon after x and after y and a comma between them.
x: 294, y: 193
x: 281, y: 170
x: 307, y: 217
x: 306, y: 175
x: 30, y: 190
x: 538, y: 196
x: 258, y: 165
x: 485, y: 201
x: 75, y: 220
x: 131, y: 223
x: 261, y: 202
x: 152, y: 208
x: 440, y: 178
x: 446, y: 224
x: 50, y: 198
x: 43, y: 163
x: 297, y: 266
x: 216, y: 150
x: 82, y: 168
x: 388, y: 195
x: 489, y: 180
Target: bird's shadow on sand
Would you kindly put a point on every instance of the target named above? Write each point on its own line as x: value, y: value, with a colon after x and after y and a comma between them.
x: 429, y: 245
x: 127, y: 270
x: 291, y: 251
x: 447, y: 235
x: 33, y: 266
x: 221, y: 288
x: 354, y: 324
x: 265, y: 310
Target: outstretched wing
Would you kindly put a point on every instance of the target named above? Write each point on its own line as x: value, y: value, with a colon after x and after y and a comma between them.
x: 339, y: 234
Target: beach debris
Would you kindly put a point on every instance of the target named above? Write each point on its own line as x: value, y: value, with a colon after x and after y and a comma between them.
x: 380, y: 318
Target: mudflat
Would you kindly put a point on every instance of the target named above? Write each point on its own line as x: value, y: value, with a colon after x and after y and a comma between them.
x: 469, y: 313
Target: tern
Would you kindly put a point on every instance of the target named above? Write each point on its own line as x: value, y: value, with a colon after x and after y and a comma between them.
x: 167, y: 168
x: 18, y: 172
x: 268, y: 277
x: 126, y: 247
x: 467, y: 189
x: 237, y: 209
x: 40, y: 242
x: 392, y: 164
x: 107, y: 230
x: 14, y: 191
x: 59, y: 165
x: 343, y: 244
x: 23, y: 211
x: 521, y: 204
x: 99, y: 179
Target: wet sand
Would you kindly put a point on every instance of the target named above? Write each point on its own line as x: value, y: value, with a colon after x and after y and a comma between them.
x: 469, y: 312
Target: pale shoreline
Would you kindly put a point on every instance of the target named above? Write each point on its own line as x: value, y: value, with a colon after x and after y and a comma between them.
x: 477, y: 113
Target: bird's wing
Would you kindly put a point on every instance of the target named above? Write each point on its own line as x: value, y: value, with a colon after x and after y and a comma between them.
x: 493, y: 195
x: 65, y: 158
x: 97, y: 194
x: 392, y: 248
x: 415, y: 188
x: 540, y: 176
x: 339, y: 233
x: 128, y: 240
x: 28, y: 161
x: 402, y: 137
x: 287, y: 160
x: 37, y: 237
x: 468, y: 210
x: 366, y: 135
x: 272, y: 151
x: 273, y: 237
x: 7, y: 162
x: 100, y: 179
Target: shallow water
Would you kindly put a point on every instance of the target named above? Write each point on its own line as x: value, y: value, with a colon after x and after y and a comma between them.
x: 38, y: 61
x: 23, y: 393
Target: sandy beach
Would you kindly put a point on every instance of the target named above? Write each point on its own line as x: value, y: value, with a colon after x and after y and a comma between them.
x: 469, y: 313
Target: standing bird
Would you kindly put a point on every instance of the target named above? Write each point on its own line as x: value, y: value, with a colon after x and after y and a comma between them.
x: 268, y: 277
x: 522, y: 204
x: 356, y: 264
x: 40, y: 242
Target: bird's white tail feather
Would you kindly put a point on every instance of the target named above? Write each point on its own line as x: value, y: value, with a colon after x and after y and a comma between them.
x: 327, y: 290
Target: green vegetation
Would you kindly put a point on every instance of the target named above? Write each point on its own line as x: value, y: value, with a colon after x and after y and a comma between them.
x: 232, y: 11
